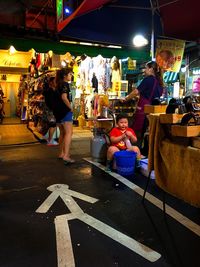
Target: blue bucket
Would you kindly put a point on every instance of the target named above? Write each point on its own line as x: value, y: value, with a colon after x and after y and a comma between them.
x: 125, y: 162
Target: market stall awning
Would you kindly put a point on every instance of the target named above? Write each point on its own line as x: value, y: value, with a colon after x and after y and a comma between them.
x: 85, y: 6
x: 116, y: 22
x: 60, y: 48
x: 112, y: 25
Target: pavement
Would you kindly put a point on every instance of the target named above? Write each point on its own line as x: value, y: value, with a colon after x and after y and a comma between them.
x: 79, y: 215
x: 15, y: 134
x: 20, y: 134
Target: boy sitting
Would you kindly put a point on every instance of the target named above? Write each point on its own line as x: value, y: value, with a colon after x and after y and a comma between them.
x: 121, y: 138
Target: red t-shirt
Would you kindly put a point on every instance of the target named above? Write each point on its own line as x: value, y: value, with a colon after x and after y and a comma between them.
x: 115, y: 132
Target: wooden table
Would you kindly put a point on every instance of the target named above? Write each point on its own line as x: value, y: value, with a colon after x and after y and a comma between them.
x: 175, y: 162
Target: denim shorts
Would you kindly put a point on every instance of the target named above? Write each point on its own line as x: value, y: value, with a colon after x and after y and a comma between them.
x: 68, y: 117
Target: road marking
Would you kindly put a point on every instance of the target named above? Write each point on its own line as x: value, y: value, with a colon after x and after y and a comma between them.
x: 56, y: 190
x: 192, y: 226
x: 64, y: 242
x: 121, y: 238
x: 48, y: 203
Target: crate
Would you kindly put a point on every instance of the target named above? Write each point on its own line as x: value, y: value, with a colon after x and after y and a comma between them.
x: 170, y: 118
x: 155, y: 109
x: 185, y: 131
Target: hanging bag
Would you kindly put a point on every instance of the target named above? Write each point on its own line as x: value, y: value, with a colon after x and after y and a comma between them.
x: 49, y: 117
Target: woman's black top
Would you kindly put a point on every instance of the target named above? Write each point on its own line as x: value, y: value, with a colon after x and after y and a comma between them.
x: 146, y: 86
x: 59, y: 107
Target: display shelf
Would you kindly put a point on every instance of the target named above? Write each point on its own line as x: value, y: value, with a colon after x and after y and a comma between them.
x: 155, y: 109
x: 98, y: 119
x: 170, y: 118
x: 122, y: 107
x: 185, y: 131
x: 105, y: 123
x: 104, y: 119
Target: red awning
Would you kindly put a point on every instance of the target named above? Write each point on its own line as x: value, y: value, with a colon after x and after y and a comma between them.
x: 181, y: 19
x: 178, y: 18
x: 86, y: 6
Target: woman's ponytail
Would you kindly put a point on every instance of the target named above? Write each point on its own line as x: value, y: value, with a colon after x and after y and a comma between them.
x: 157, y: 71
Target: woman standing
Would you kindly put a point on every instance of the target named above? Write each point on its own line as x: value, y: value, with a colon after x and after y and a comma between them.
x: 150, y: 88
x: 63, y: 112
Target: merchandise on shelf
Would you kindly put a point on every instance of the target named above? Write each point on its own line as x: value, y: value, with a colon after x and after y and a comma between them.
x: 38, y: 112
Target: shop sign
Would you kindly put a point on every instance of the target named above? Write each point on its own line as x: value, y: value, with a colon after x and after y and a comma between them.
x: 131, y: 64
x: 116, y: 86
x: 59, y: 10
x: 169, y: 54
x: 170, y: 77
x: 196, y: 71
x: 17, y: 60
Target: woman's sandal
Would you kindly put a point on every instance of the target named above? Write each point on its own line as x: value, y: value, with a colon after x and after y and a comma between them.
x: 68, y: 161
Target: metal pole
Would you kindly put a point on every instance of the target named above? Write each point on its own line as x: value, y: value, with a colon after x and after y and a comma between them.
x: 186, y: 74
x: 152, y: 31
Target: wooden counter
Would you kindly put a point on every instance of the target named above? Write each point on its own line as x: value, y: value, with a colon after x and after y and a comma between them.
x: 195, y: 142
x: 176, y: 164
x: 185, y: 131
x: 170, y: 118
x: 154, y: 109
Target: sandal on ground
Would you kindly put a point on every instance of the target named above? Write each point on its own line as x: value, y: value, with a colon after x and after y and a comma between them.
x: 68, y: 161
x: 108, y: 169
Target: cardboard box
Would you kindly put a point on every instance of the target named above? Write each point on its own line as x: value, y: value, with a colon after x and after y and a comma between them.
x: 186, y: 131
x: 155, y: 109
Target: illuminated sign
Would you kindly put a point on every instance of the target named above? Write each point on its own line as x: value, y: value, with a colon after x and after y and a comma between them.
x: 59, y: 10
x: 196, y: 71
x: 170, y: 77
x: 17, y: 60
x: 169, y: 54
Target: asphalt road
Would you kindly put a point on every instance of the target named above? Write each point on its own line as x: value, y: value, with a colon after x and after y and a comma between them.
x: 54, y: 215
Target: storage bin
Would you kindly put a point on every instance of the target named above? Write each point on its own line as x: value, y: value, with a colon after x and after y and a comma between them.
x: 125, y: 162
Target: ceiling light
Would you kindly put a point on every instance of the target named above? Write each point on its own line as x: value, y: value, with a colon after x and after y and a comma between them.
x: 183, y: 69
x: 67, y: 11
x: 114, y: 46
x: 139, y: 41
x: 63, y: 63
x: 12, y: 50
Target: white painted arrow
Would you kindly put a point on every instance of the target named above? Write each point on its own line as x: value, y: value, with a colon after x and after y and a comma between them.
x: 64, y: 246
x: 63, y: 191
